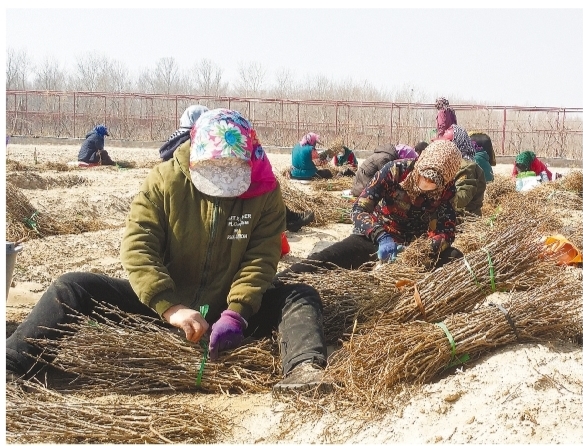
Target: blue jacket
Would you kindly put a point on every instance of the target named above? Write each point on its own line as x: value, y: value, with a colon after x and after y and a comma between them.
x: 483, y: 160
x: 92, y: 144
x: 303, y: 167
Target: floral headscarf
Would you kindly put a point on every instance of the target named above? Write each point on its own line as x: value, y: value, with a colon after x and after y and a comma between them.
x: 439, y: 162
x: 310, y: 139
x: 226, y: 158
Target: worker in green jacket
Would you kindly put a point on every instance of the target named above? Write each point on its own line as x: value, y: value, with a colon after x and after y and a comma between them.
x: 470, y: 181
x: 204, y: 229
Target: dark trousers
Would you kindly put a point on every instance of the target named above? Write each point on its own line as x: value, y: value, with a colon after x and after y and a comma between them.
x: 100, y: 157
x: 295, y: 310
x: 351, y: 253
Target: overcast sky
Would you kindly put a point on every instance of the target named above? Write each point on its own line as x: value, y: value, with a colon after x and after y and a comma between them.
x: 528, y: 57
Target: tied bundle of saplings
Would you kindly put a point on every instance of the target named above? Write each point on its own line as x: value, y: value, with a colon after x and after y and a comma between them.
x: 41, y: 415
x: 337, y: 183
x: 379, y: 361
x: 513, y: 261
x: 134, y: 353
x: 327, y: 208
x: 25, y: 221
x: 345, y: 292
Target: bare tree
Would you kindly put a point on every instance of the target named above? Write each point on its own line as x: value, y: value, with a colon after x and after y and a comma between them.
x: 251, y: 78
x: 208, y: 78
x: 18, y: 66
x: 50, y: 76
x: 284, y: 84
x: 165, y: 78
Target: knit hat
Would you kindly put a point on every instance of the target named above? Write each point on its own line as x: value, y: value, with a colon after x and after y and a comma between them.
x: 221, y: 144
x: 439, y: 162
x: 310, y: 139
x: 190, y: 115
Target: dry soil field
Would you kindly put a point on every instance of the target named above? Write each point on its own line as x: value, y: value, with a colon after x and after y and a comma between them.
x: 525, y: 393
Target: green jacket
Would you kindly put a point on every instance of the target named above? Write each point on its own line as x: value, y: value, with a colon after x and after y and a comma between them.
x: 470, y: 184
x: 183, y: 247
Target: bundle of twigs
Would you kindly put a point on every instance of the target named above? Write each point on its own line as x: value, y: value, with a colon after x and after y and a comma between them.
x: 138, y: 354
x: 32, y: 180
x: 337, y: 183
x: 25, y: 221
x: 45, y: 416
x: 495, y: 190
x: 511, y: 262
x: 376, y: 362
x: 572, y: 181
x: 417, y: 254
x: 327, y: 208
x: 345, y: 293
x: 59, y: 167
x: 553, y: 194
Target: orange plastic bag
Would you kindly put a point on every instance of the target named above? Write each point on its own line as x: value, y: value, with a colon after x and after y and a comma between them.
x: 567, y: 253
x: 285, y: 249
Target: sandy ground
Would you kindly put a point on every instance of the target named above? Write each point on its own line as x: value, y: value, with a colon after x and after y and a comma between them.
x: 520, y: 394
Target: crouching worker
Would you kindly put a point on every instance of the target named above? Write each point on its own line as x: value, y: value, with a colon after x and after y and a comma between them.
x: 92, y: 150
x: 404, y: 200
x: 216, y: 195
x: 528, y: 162
x: 180, y: 136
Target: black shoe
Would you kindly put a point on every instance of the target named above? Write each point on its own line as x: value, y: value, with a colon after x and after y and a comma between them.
x: 307, y: 218
x: 303, y: 219
x: 305, y: 376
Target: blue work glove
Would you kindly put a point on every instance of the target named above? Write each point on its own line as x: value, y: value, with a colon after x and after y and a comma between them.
x: 226, y: 333
x: 387, y: 248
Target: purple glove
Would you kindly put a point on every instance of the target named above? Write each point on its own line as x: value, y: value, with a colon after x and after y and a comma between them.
x: 226, y: 333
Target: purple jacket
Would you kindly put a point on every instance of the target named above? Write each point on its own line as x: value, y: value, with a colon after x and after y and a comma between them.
x: 445, y: 118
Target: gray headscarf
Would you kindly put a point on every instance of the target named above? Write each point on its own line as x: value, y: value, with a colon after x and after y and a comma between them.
x: 190, y: 115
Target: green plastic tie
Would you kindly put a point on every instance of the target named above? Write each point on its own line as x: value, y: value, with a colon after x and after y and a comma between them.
x: 478, y: 284
x: 493, y: 218
x: 454, y: 359
x: 31, y: 223
x: 203, y: 310
x: 492, y: 281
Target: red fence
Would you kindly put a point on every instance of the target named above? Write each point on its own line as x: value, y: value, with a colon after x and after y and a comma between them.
x: 551, y: 132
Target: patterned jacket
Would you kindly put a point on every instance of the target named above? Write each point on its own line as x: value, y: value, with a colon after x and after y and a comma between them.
x: 384, y: 206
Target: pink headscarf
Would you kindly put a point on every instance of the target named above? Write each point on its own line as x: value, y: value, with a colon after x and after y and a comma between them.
x: 310, y: 139
x: 405, y: 152
x: 262, y: 178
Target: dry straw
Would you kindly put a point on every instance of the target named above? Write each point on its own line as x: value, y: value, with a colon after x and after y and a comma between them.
x: 138, y: 354
x: 24, y: 221
x: 327, y: 208
x: 511, y: 262
x: 347, y: 293
x: 44, y: 416
x: 376, y: 363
